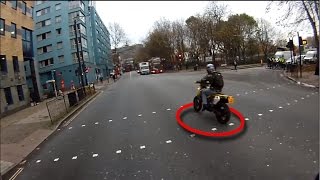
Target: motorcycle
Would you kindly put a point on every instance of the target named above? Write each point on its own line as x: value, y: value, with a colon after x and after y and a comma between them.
x: 217, y: 104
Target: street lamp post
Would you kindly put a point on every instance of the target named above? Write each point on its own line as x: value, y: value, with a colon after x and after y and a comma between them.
x: 54, y: 82
x: 83, y: 64
x: 78, y: 56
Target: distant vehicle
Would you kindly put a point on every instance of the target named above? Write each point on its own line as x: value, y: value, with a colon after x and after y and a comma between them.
x: 311, y: 57
x: 144, y: 68
x: 286, y: 55
x: 155, y: 71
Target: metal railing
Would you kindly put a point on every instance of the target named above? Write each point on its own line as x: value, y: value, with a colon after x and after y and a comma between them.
x: 63, y: 104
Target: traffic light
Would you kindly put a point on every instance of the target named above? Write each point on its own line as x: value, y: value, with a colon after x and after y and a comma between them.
x: 290, y: 44
x: 304, y: 42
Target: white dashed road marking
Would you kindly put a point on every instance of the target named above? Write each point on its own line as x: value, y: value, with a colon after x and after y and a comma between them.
x: 260, y: 114
x: 70, y: 127
x: 83, y: 125
x: 96, y: 123
x: 247, y: 119
x: 74, y: 157
x: 254, y: 91
x: 268, y: 88
x: 110, y: 120
x: 169, y: 141
x: 154, y: 112
x: 56, y: 159
x: 273, y: 87
x: 168, y: 109
x: 142, y: 147
x: 271, y: 110
x: 124, y: 118
x: 38, y: 161
x: 231, y: 124
x: 280, y: 107
x: 94, y: 155
x: 192, y: 135
x: 140, y: 115
x: 302, y: 98
x: 238, y: 94
x: 118, y: 152
x: 288, y: 104
x: 214, y: 129
x: 295, y: 100
x: 246, y: 93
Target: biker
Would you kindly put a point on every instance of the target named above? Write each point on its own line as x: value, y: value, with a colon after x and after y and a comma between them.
x: 215, y: 80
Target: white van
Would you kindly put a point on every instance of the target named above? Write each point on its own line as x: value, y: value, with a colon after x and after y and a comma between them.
x: 284, y: 54
x: 311, y: 57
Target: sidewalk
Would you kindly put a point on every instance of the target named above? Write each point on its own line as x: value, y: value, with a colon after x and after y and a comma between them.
x: 24, y: 130
x: 308, y: 79
x: 221, y: 68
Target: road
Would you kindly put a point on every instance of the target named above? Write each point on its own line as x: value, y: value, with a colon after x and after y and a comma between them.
x: 130, y: 132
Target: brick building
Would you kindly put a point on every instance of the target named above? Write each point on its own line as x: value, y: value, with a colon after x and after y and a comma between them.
x: 16, y: 26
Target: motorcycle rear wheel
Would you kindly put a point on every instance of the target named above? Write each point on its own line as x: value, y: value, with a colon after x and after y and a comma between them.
x: 197, y: 103
x: 223, y: 113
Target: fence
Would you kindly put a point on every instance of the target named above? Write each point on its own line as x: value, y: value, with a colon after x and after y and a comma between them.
x: 61, y: 105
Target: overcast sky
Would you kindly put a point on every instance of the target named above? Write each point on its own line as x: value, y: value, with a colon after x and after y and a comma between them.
x: 138, y: 17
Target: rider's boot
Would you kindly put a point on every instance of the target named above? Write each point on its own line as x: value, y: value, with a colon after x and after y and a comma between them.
x: 205, y: 107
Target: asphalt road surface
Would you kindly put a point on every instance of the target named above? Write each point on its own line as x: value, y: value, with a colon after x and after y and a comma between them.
x: 130, y: 132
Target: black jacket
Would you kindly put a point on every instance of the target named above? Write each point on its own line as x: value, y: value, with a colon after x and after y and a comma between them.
x: 215, y: 80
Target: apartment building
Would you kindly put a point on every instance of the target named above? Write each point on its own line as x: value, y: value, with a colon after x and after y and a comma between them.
x: 55, y: 46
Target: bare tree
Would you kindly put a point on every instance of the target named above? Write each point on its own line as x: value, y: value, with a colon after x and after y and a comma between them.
x: 117, y: 35
x: 298, y: 13
x: 264, y: 35
x: 213, y: 16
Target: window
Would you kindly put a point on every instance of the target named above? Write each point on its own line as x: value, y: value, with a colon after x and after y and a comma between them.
x: 61, y: 59
x: 2, y: 26
x: 58, y: 31
x: 15, y: 62
x: 59, y: 45
x: 7, y: 92
x: 25, y: 68
x: 43, y: 36
x: 27, y: 42
x: 13, y: 30
x: 84, y: 43
x: 20, y: 93
x: 58, y: 19
x: 73, y: 43
x: 3, y: 64
x: 76, y: 4
x: 43, y: 11
x: 58, y: 7
x: 46, y: 62
x: 40, y: 2
x: 31, y: 12
x: 82, y: 6
x: 43, y: 23
x: 85, y: 56
x: 24, y: 7
x: 74, y: 57
x: 73, y: 15
x: 44, y: 49
x: 83, y: 29
x: 14, y: 4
